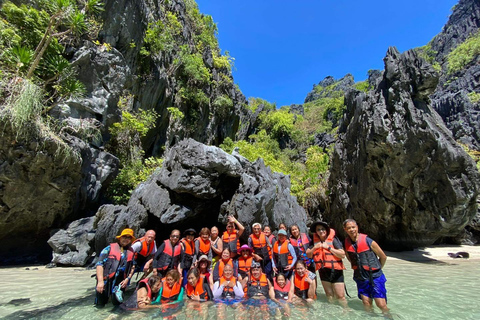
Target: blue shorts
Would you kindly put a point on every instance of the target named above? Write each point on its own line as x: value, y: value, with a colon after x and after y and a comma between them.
x: 372, y: 290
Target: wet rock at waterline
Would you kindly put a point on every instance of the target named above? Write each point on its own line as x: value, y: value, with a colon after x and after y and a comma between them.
x: 396, y: 168
x: 73, y: 246
x: 201, y: 185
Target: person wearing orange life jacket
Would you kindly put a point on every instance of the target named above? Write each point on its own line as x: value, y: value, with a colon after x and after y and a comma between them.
x: 367, y: 259
x: 172, y: 290
x: 257, y: 285
x: 219, y: 267
x: 300, y: 241
x: 168, y: 255
x: 244, y: 263
x: 268, y: 232
x: 189, y: 255
x: 203, y: 245
x: 227, y: 287
x: 145, y: 249
x: 303, y: 284
x: 284, y: 257
x: 262, y: 248
x: 231, y: 237
x: 327, y: 253
x: 145, y: 293
x: 114, y: 269
x: 197, y: 287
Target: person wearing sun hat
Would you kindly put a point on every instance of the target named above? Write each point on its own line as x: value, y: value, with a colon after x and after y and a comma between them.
x: 114, y: 269
x: 244, y: 261
x: 327, y: 253
x: 203, y: 265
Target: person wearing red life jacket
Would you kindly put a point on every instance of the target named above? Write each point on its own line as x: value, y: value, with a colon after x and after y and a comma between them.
x: 197, y: 287
x: 303, y: 284
x: 262, y: 249
x: 327, y: 253
x: 227, y: 287
x: 203, y: 266
x: 280, y: 291
x: 300, y: 241
x: 114, y: 269
x: 367, y: 259
x: 145, y: 249
x: 231, y: 237
x: 146, y: 292
x: 168, y: 255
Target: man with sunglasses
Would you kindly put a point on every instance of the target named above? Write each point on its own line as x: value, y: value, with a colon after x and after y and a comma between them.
x: 168, y: 255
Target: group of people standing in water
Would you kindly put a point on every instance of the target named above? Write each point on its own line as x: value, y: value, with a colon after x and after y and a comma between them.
x: 211, y: 266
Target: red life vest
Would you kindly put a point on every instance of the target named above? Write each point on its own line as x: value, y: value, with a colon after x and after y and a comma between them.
x: 257, y: 286
x: 301, y: 286
x: 281, y: 293
x: 218, y: 269
x: 144, y: 284
x: 305, y: 244
x: 170, y: 294
x: 227, y: 291
x: 231, y: 241
x: 114, y: 259
x: 362, y: 256
x: 204, y: 247
x: 198, y: 290
x: 284, y: 258
x: 244, y: 265
x: 325, y: 258
x: 260, y: 246
x: 169, y: 258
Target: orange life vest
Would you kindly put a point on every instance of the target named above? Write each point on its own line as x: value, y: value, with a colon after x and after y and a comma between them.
x: 114, y: 260
x: 325, y: 258
x: 227, y: 291
x: 231, y: 241
x: 257, y: 286
x: 244, y: 265
x: 146, y: 248
x: 260, y: 246
x: 218, y: 269
x: 284, y: 258
x: 198, y: 290
x: 204, y: 247
x: 170, y: 294
x: 301, y: 286
x: 281, y: 293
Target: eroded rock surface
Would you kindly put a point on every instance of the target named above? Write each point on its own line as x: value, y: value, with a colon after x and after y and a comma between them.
x: 396, y: 168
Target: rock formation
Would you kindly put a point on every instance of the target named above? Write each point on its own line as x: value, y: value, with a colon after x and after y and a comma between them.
x: 396, y: 168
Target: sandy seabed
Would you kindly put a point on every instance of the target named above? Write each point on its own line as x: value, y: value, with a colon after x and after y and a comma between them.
x: 35, y: 287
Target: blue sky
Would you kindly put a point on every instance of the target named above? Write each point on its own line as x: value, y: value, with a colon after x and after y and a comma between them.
x: 281, y: 48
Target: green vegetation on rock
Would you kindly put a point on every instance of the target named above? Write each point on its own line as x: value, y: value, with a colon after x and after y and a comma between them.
x: 464, y: 53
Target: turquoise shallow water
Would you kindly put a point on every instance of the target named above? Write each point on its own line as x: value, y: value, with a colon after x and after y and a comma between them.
x: 416, y: 290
